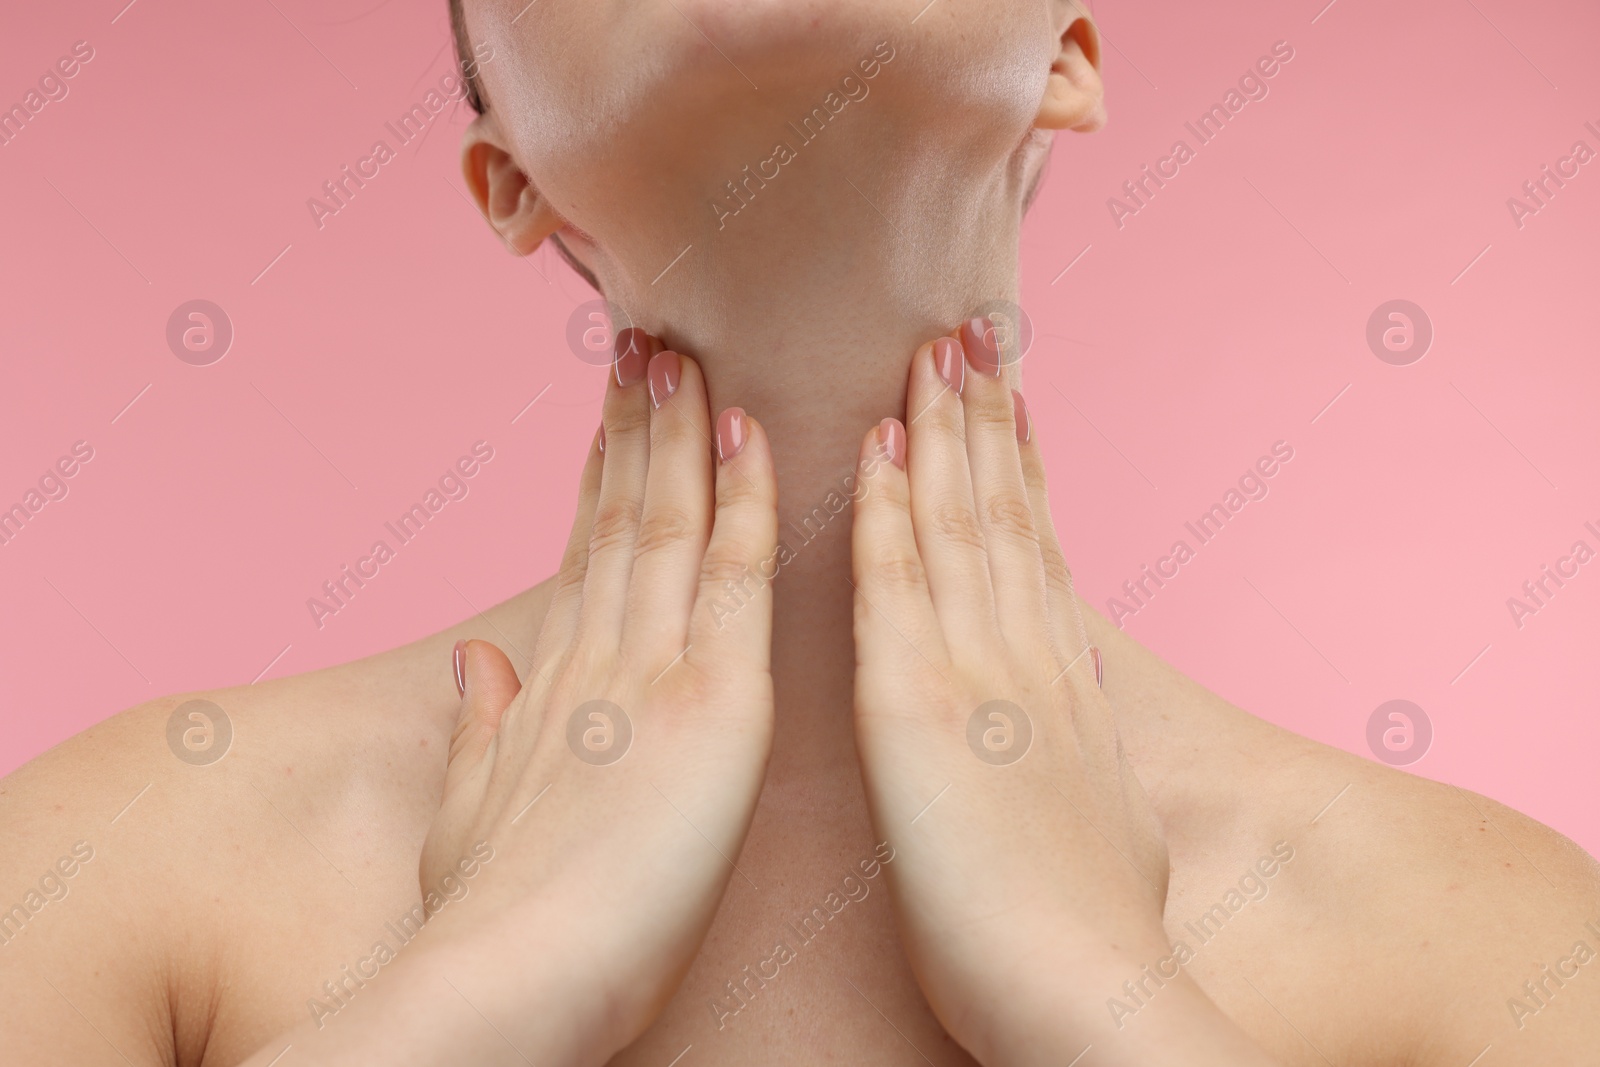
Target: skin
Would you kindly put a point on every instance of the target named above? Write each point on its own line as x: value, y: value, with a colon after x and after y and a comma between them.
x: 806, y: 735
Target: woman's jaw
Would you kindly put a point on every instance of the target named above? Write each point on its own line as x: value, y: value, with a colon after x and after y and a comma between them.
x: 797, y: 206
x: 826, y: 279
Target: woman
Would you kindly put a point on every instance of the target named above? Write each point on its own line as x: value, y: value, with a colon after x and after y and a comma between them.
x: 723, y: 793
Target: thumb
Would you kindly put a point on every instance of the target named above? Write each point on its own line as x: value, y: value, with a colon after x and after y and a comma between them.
x: 488, y: 684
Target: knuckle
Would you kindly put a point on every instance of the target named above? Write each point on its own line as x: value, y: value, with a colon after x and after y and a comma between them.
x: 948, y: 418
x: 734, y: 490
x: 992, y: 414
x: 663, y: 526
x: 723, y: 564
x: 1056, y: 571
x: 957, y: 524
x: 627, y: 420
x: 574, y: 566
x: 615, y: 522
x: 1009, y: 514
x: 898, y: 571
x: 679, y: 421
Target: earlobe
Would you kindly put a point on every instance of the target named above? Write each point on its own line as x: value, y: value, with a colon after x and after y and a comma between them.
x: 1074, y: 96
x: 512, y: 205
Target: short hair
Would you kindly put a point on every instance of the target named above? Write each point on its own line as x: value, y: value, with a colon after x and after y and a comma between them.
x: 464, y: 57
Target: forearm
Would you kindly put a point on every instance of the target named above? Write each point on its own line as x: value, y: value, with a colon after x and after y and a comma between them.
x: 1057, y: 1017
x: 487, y: 999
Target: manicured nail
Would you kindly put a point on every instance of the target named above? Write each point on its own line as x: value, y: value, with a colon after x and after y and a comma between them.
x: 982, y: 342
x: 892, y: 436
x: 634, y: 339
x: 1023, y: 420
x: 666, y: 370
x: 951, y: 362
x: 732, y: 433
x: 459, y: 656
x: 600, y: 438
x: 633, y: 352
x: 1099, y: 666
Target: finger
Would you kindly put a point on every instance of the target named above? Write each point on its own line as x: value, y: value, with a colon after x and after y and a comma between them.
x: 1069, y: 636
x: 561, y: 614
x: 617, y: 513
x: 676, y: 523
x: 1000, y: 494
x: 895, y: 621
x: 1076, y: 683
x: 943, y: 512
x: 732, y: 615
x: 488, y: 684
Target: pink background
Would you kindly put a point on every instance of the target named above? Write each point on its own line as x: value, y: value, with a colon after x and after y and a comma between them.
x: 1223, y: 317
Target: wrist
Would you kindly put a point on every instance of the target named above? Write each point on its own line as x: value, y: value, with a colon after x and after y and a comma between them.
x: 1047, y: 1007
x: 1133, y: 1007
x: 518, y: 977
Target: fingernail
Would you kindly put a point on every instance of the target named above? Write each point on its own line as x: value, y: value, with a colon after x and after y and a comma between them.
x: 666, y: 369
x: 892, y: 436
x: 951, y: 363
x: 600, y: 438
x: 731, y: 433
x: 459, y: 657
x: 1099, y: 666
x: 633, y: 339
x: 982, y: 340
x: 633, y: 352
x: 1023, y: 420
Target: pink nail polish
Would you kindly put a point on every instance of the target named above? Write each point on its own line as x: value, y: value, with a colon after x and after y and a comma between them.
x: 632, y: 339
x: 666, y: 370
x: 950, y: 362
x: 459, y: 658
x: 600, y: 438
x: 1023, y: 420
x: 892, y: 436
x: 1099, y: 666
x: 633, y: 352
x: 731, y: 433
x: 982, y: 342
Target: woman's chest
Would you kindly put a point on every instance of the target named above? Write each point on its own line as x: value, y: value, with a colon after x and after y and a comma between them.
x: 803, y: 963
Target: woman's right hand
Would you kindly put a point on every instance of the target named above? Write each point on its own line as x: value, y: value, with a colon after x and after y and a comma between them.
x: 612, y: 793
x: 641, y: 735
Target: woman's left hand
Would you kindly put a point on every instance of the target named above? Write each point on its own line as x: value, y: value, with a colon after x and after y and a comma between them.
x: 1030, y: 872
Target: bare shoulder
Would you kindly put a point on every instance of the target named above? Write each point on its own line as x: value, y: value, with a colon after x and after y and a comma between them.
x: 1416, y: 922
x: 147, y: 855
x: 177, y: 880
x: 1344, y: 911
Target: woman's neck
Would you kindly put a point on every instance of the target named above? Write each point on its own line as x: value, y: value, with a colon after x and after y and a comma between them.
x: 809, y: 321
x: 805, y: 307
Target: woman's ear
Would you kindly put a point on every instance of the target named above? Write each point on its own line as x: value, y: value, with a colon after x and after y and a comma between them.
x: 1074, y: 97
x: 515, y: 209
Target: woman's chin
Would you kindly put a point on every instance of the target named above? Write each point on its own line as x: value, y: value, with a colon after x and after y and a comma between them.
x: 739, y: 103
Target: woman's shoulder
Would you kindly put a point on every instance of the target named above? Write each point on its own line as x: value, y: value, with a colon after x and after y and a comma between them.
x: 319, y: 727
x: 1389, y: 875
x: 179, y: 860
x: 1391, y: 917
x: 143, y: 856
